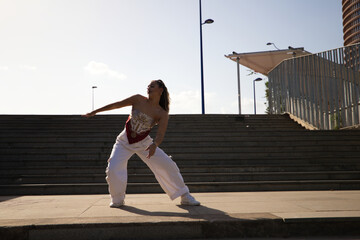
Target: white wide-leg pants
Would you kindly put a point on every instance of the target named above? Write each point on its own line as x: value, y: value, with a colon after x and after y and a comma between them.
x: 164, y: 168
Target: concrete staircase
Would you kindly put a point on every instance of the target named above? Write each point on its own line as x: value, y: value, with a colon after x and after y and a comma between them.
x: 67, y: 154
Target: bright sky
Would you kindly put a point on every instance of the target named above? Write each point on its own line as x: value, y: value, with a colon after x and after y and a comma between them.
x: 53, y: 51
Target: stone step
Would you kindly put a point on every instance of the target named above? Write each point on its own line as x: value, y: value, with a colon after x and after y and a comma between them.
x: 174, y: 121
x: 108, y: 118
x: 267, y: 131
x: 180, y: 131
x: 123, y: 117
x: 188, y: 177
x: 134, y: 162
x: 14, y: 142
x: 353, y: 150
x: 50, y: 169
x: 95, y: 129
x: 81, y: 128
x: 191, y: 149
x: 188, y: 138
x: 180, y: 159
x: 102, y: 188
x: 95, y: 145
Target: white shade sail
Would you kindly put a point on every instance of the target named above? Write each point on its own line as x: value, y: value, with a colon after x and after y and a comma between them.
x: 264, y: 62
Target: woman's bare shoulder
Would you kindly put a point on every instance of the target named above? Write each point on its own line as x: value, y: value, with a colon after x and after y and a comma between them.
x: 138, y: 98
x: 162, y: 113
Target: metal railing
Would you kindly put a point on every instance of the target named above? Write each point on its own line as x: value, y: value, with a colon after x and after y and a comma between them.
x: 320, y: 89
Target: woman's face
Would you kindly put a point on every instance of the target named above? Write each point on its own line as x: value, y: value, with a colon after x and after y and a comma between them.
x: 154, y: 88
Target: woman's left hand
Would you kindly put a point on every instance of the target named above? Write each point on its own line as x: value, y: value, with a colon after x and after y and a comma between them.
x: 151, y: 149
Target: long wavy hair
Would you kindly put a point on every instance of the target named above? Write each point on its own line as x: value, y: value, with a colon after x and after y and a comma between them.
x: 165, y: 98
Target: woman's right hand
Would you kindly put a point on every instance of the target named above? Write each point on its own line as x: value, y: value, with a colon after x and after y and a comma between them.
x: 90, y: 114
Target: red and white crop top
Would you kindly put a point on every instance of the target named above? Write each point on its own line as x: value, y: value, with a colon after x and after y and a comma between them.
x: 138, y: 126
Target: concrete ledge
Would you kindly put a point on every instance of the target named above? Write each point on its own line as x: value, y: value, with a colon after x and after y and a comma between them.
x: 215, y: 228
x: 154, y: 216
x: 306, y: 125
x: 355, y: 127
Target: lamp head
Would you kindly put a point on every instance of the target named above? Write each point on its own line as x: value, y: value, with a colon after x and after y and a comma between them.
x: 208, y: 21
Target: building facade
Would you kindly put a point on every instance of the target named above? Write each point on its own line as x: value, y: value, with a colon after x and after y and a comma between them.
x: 351, y: 21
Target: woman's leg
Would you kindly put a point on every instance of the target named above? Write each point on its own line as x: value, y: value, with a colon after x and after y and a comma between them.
x: 116, y: 171
x: 166, y: 172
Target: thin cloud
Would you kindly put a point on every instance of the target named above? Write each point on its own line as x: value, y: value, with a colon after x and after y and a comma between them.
x: 28, y: 67
x: 189, y: 102
x: 4, y: 68
x: 185, y: 102
x: 101, y: 69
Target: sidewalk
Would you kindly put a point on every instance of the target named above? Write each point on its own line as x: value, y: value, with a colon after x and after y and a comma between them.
x: 155, y: 216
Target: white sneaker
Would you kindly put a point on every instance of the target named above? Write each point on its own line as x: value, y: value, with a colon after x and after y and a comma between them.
x: 117, y: 205
x: 189, y: 200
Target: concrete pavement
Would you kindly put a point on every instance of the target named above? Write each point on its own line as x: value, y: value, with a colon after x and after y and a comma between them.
x: 155, y: 216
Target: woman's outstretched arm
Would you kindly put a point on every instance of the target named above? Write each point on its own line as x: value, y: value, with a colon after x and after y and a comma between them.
x: 124, y: 103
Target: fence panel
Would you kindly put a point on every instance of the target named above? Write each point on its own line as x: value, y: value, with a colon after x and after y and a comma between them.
x: 320, y: 89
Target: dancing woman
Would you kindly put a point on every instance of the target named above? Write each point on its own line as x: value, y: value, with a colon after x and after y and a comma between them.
x: 146, y: 112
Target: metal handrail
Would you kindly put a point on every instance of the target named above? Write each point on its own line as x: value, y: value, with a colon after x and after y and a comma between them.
x: 321, y: 89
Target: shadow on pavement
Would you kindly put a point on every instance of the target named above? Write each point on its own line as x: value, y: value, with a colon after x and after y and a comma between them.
x: 7, y: 198
x: 194, y: 212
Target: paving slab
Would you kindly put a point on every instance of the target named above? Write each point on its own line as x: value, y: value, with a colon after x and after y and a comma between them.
x: 155, y: 216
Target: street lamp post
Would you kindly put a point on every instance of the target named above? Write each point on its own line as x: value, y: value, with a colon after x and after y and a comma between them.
x: 270, y: 43
x: 93, y: 87
x: 256, y: 80
x: 208, y: 21
x: 238, y: 77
